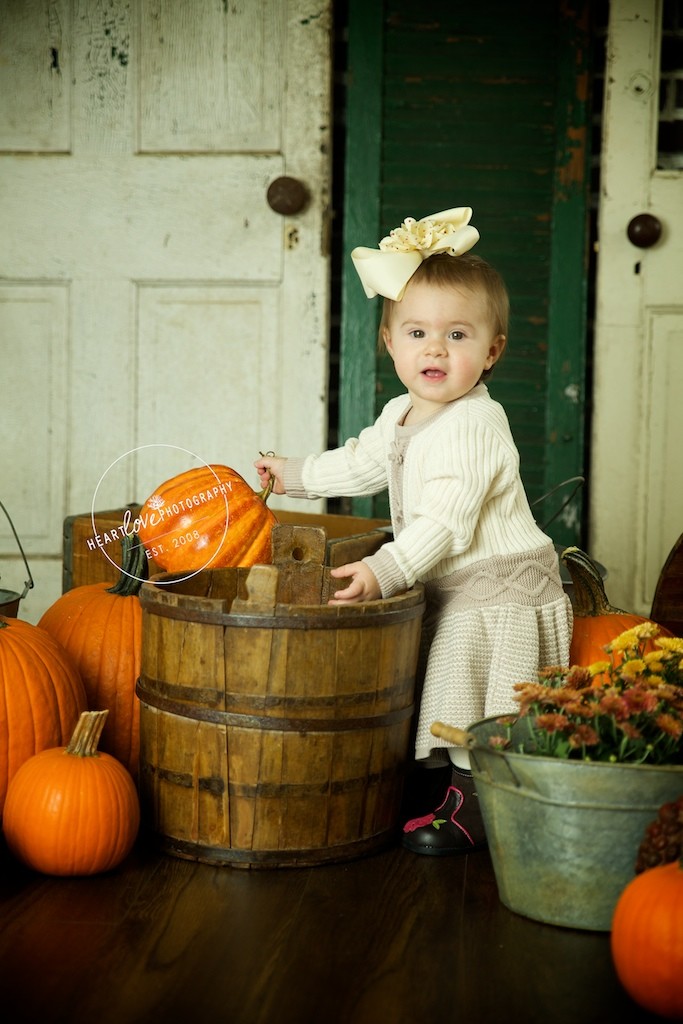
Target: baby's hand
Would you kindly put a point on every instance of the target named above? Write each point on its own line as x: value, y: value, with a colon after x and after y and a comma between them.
x: 363, y: 585
x: 271, y: 466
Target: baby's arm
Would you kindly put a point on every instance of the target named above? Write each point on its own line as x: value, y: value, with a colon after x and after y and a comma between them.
x: 363, y: 585
x: 271, y: 466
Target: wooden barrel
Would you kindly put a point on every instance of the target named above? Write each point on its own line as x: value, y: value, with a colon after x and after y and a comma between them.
x: 274, y: 728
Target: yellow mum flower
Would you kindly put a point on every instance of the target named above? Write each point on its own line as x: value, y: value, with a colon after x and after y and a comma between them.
x: 671, y: 643
x: 624, y: 642
x: 646, y: 630
x: 654, y: 681
x: 634, y: 667
x: 632, y: 638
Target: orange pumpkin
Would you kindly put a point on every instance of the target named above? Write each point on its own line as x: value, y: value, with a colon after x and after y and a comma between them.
x: 101, y: 628
x: 72, y: 810
x: 204, y: 517
x: 647, y: 939
x: 596, y: 622
x: 41, y: 695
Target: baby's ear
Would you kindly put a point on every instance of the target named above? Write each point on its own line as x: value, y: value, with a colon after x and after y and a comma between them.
x: 497, y: 348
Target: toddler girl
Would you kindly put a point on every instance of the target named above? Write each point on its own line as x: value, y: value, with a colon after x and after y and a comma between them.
x: 495, y: 608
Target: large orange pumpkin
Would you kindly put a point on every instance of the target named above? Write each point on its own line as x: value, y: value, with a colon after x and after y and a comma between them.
x: 72, y: 810
x: 647, y: 939
x: 596, y: 622
x: 206, y: 517
x: 41, y: 695
x: 101, y: 628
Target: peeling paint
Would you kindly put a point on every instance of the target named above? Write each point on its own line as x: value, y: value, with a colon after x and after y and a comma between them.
x: 573, y: 393
x: 120, y: 55
x: 571, y: 173
x: 569, y: 516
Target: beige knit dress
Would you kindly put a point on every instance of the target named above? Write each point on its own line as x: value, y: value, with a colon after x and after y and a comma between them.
x: 496, y: 610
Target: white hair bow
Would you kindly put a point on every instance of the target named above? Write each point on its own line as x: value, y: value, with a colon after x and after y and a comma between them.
x: 387, y: 270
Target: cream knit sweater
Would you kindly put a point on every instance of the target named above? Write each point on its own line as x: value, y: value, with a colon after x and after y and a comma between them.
x: 456, y: 496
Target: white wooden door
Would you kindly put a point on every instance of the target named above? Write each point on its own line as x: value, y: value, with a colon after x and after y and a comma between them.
x: 155, y: 311
x: 636, y: 483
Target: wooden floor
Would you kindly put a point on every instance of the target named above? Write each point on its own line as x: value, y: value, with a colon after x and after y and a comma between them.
x: 387, y: 939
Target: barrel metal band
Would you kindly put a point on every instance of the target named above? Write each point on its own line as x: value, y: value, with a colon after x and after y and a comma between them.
x: 302, y: 857
x: 273, y: 724
x: 151, y: 690
x: 308, y: 622
x: 258, y: 789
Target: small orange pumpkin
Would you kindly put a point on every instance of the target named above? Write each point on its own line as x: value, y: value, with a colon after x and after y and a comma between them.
x: 647, y: 939
x: 41, y: 695
x: 204, y: 517
x: 72, y: 810
x: 596, y: 622
x: 101, y: 628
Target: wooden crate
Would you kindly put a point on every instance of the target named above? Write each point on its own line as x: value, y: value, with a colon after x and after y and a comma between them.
x: 92, y: 550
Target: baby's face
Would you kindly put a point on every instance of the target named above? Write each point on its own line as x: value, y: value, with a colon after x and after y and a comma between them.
x: 441, y: 341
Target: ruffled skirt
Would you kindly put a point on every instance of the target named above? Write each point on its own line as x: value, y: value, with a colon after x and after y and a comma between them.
x: 487, y: 627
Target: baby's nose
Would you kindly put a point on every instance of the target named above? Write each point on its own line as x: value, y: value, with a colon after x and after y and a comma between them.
x: 435, y: 344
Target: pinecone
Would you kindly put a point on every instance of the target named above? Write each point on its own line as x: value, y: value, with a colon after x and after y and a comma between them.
x: 663, y: 839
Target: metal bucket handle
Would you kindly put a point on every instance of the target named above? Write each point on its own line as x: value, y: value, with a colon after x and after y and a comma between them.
x: 461, y: 738
x: 29, y: 582
x: 578, y: 481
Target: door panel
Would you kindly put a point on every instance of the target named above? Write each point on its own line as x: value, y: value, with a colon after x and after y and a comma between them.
x: 177, y: 357
x: 34, y: 402
x: 219, y: 104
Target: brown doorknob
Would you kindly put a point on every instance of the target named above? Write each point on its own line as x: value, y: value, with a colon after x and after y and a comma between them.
x: 644, y: 230
x: 287, y: 196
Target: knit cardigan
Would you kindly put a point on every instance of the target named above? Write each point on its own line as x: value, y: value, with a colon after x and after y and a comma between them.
x: 455, y: 491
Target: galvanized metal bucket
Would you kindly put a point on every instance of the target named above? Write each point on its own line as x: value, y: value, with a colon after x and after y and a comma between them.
x: 564, y: 835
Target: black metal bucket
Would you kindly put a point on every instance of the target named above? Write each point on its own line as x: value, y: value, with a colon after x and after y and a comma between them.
x: 9, y: 599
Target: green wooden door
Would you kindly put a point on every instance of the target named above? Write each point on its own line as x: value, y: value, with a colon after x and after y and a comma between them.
x: 481, y: 105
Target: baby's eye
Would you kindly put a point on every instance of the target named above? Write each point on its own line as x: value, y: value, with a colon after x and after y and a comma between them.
x: 417, y: 333
x: 456, y: 336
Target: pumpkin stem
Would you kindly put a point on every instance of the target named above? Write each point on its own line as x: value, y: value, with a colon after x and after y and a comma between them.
x: 589, y: 590
x: 134, y: 567
x: 268, y: 489
x: 86, y: 734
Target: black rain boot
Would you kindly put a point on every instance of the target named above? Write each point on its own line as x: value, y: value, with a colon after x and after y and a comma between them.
x: 456, y: 826
x: 424, y: 787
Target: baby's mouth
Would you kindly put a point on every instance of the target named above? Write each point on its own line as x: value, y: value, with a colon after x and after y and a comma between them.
x: 433, y: 373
